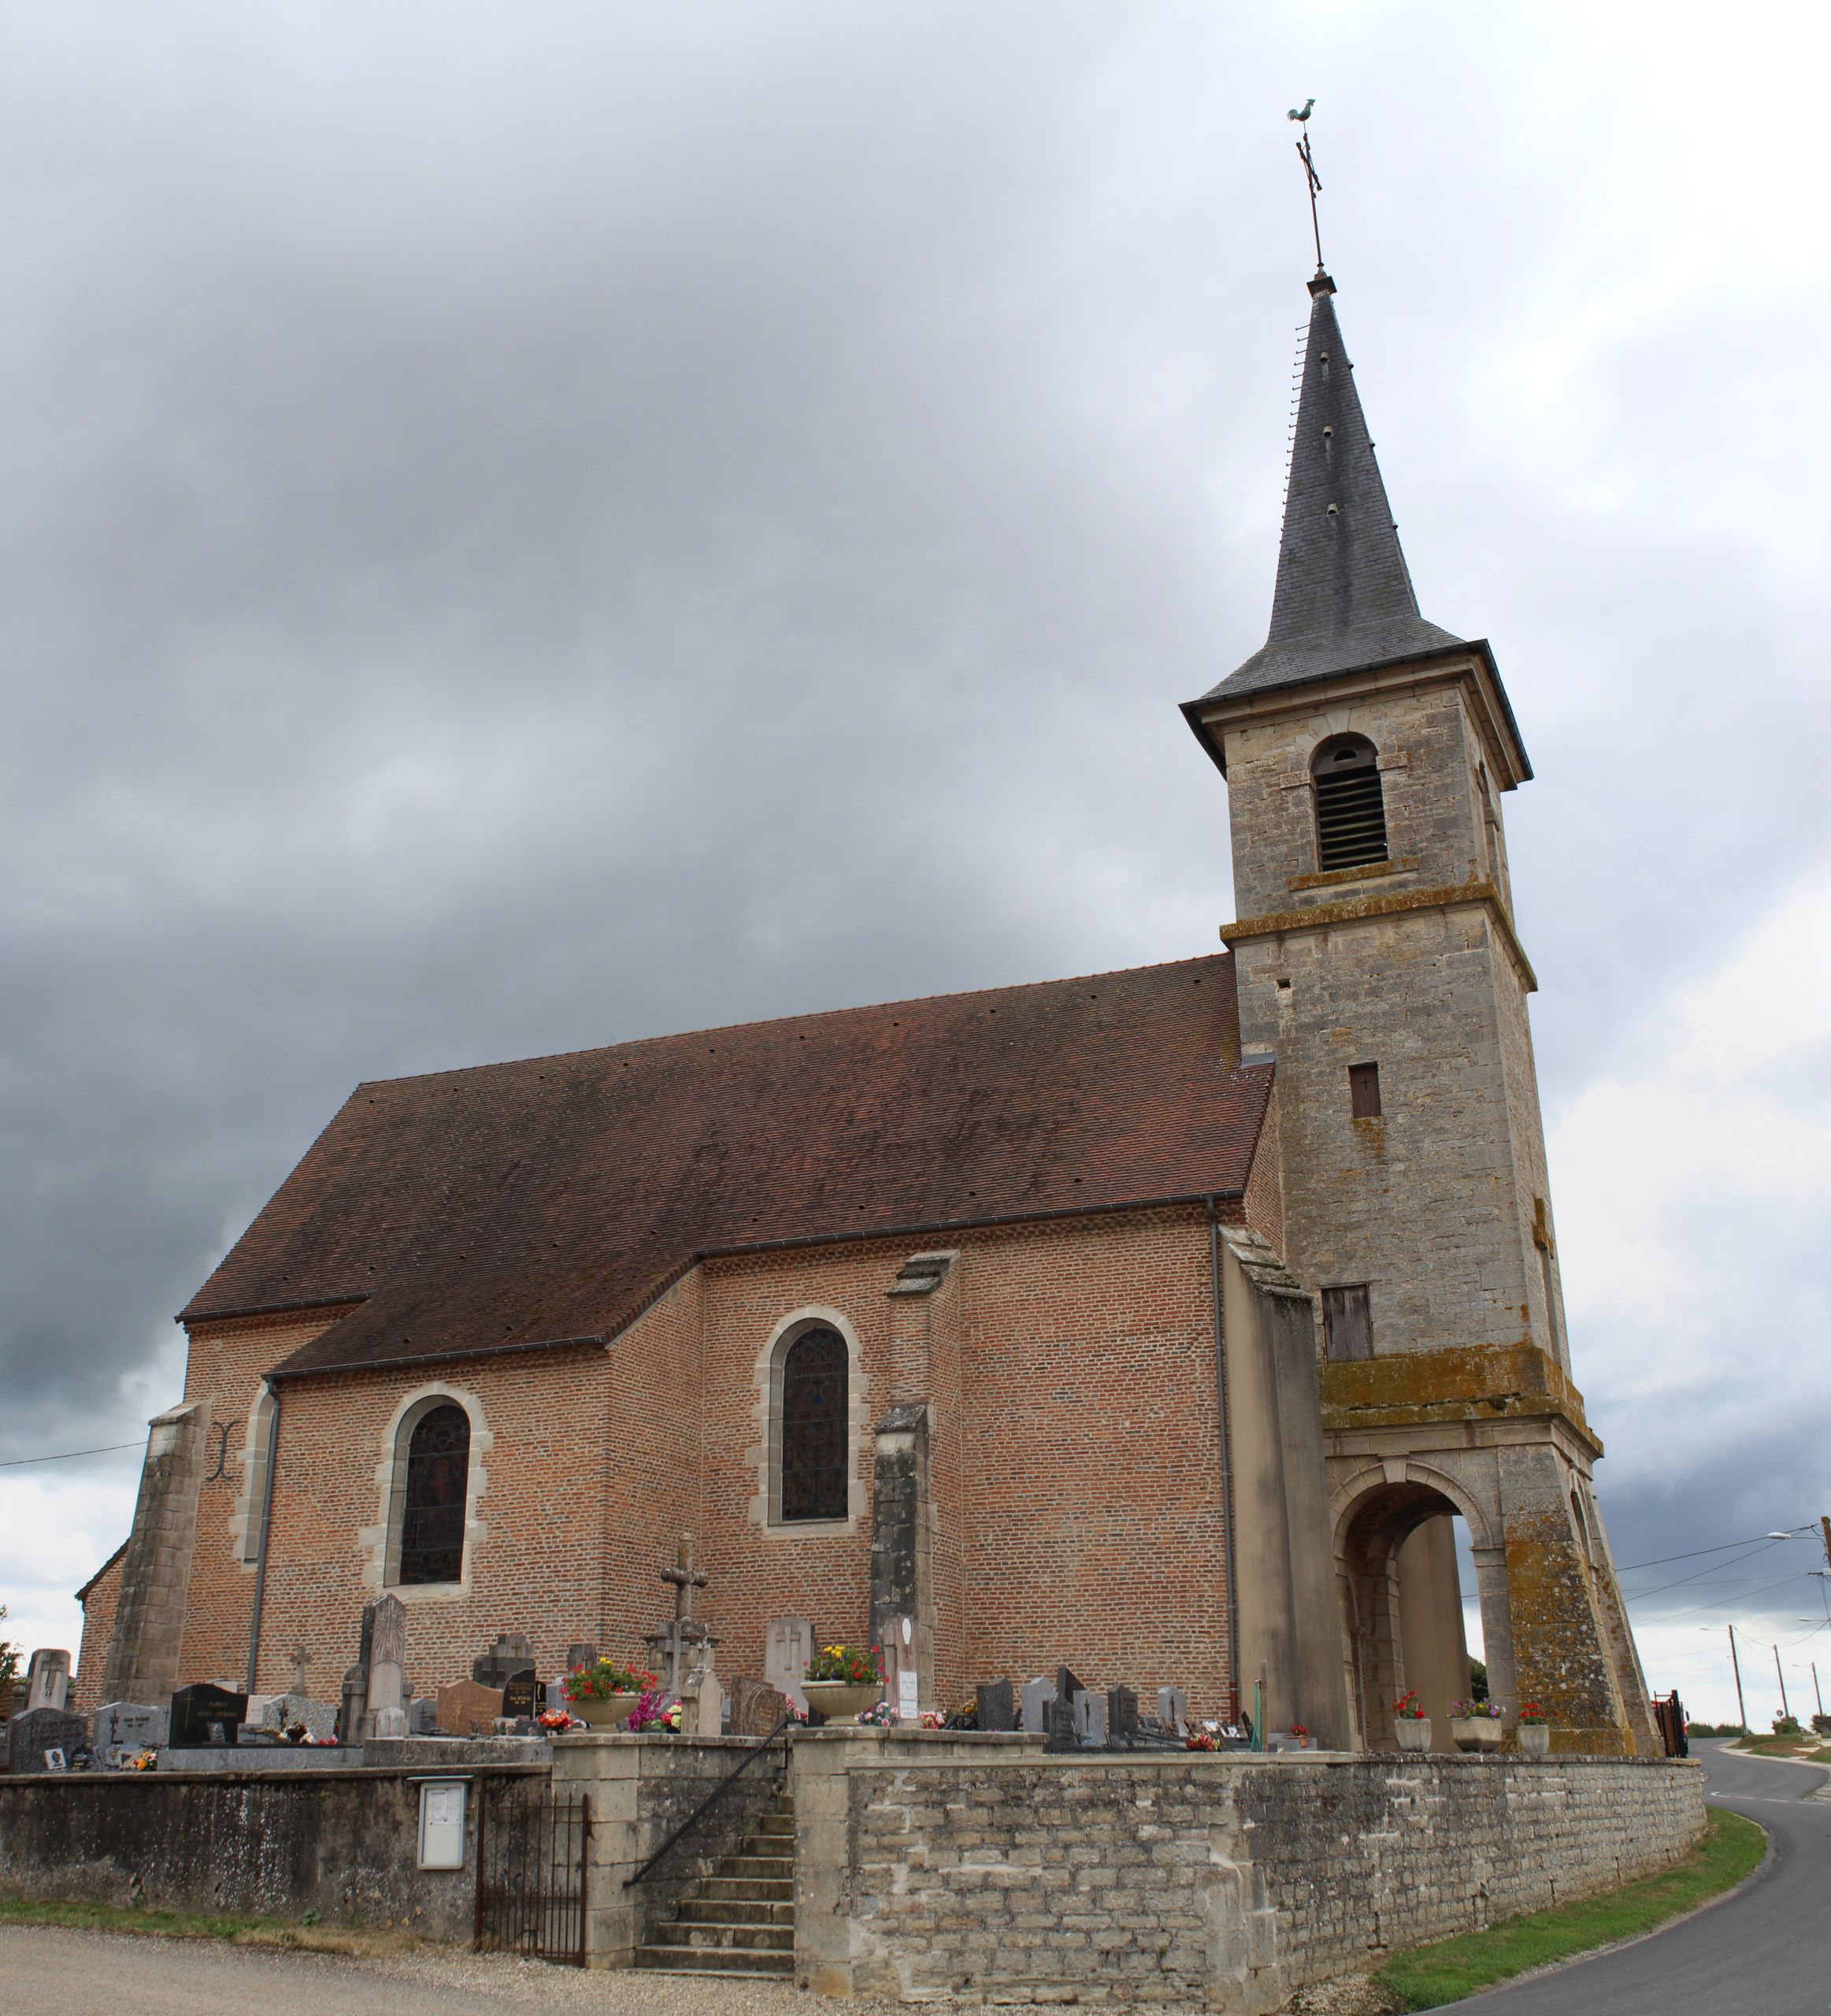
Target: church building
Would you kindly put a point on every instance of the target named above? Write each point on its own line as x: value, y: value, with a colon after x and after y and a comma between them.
x: 1156, y: 1322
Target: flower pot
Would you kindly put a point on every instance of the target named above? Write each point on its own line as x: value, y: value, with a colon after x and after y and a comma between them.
x: 1480, y: 1734
x: 1535, y: 1739
x: 837, y: 1698
x: 1413, y: 1731
x: 611, y: 1712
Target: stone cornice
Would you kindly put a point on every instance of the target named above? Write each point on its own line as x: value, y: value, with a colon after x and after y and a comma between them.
x: 1477, y: 1383
x: 1356, y: 910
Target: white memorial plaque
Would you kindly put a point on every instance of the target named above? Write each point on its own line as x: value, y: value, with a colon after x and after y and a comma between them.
x: 442, y: 1825
x: 908, y: 1695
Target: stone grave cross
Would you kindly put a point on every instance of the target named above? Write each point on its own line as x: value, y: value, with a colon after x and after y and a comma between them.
x: 673, y: 1639
x: 300, y: 1659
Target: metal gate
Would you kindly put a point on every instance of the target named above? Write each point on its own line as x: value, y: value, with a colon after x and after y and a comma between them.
x: 531, y: 1847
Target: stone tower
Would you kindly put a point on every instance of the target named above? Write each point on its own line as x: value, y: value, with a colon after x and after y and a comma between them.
x: 1366, y: 752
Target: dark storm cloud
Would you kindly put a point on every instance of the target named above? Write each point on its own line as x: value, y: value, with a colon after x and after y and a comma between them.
x: 522, y: 529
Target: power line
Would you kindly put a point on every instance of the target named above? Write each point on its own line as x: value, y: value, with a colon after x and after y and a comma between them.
x: 1754, y: 1548
x: 1697, y: 1551
x: 64, y: 1456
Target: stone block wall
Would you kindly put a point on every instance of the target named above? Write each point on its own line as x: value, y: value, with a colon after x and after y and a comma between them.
x: 1217, y: 1881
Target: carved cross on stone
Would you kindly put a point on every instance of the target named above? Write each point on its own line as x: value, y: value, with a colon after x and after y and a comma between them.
x: 686, y: 1579
x: 300, y: 1659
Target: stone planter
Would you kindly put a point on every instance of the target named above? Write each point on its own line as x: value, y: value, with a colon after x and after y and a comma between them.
x: 1480, y: 1734
x: 610, y: 1713
x: 1535, y: 1739
x: 838, y: 1699
x: 1413, y: 1731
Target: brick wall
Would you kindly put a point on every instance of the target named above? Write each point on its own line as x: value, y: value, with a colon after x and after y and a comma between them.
x: 98, y: 1604
x: 1196, y: 1880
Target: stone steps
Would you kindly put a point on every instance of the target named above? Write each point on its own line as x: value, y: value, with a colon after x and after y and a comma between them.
x: 739, y: 1921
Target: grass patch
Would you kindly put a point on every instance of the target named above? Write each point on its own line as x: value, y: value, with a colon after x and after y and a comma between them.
x: 1429, y: 1975
x: 305, y: 1936
x: 1807, y: 1749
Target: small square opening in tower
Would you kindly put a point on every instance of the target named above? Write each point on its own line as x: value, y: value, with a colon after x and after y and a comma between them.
x: 1347, y: 1324
x: 1363, y: 1090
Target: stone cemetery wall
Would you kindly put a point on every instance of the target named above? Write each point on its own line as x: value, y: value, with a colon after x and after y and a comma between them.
x: 344, y: 1844
x: 1195, y: 1879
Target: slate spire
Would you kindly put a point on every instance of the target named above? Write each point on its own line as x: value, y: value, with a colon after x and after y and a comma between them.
x: 1345, y: 596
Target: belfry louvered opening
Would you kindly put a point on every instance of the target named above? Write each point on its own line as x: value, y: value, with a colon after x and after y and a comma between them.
x: 1350, y: 808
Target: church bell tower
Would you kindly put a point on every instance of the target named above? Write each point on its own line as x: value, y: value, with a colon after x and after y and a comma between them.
x: 1366, y: 752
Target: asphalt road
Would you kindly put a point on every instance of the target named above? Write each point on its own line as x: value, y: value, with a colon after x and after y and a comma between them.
x: 1765, y: 1950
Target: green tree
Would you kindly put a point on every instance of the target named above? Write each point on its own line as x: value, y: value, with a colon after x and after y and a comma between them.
x: 8, y: 1664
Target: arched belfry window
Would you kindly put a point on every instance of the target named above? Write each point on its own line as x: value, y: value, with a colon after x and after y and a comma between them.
x: 438, y: 1475
x: 814, y: 1422
x: 1350, y: 808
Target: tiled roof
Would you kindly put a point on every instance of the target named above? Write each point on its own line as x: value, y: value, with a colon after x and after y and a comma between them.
x: 522, y: 1204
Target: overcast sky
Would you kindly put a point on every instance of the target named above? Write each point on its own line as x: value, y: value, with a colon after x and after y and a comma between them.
x: 526, y: 526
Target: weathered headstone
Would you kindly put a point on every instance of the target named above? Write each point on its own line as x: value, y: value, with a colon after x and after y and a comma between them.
x: 31, y: 1735
x: 510, y: 1654
x: 280, y: 1712
x: 671, y: 1648
x: 47, y: 1680
x: 350, y: 1707
x: 787, y: 1646
x: 1090, y: 1719
x: 385, y: 1637
x: 998, y: 1707
x: 468, y: 1709
x: 702, y: 1698
x: 580, y: 1655
x: 756, y: 1706
x: 1037, y: 1695
x: 122, y: 1729
x: 423, y: 1716
x: 1172, y: 1710
x: 205, y: 1715
x: 522, y: 1695
x: 1059, y: 1732
x: 1121, y: 1712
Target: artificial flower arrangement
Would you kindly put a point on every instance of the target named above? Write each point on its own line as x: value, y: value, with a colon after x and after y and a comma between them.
x: 965, y: 1716
x: 847, y: 1662
x: 1299, y: 1731
x: 655, y: 1713
x: 1491, y: 1711
x: 933, y: 1718
x: 1200, y: 1739
x: 880, y: 1717
x: 1408, y: 1708
x: 556, y: 1721
x: 600, y: 1682
x: 1530, y: 1711
x: 148, y: 1760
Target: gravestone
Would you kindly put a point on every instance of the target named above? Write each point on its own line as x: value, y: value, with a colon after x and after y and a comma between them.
x: 422, y: 1717
x: 30, y: 1734
x: 280, y: 1712
x: 349, y: 1707
x: 997, y: 1706
x: 756, y: 1706
x: 47, y: 1680
x: 1122, y: 1713
x: 702, y: 1699
x: 1059, y: 1732
x: 206, y: 1715
x: 384, y: 1637
x: 1090, y: 1719
x: 1038, y: 1694
x: 787, y: 1646
x: 1172, y: 1710
x: 468, y: 1709
x: 122, y: 1729
x: 510, y: 1654
x: 265, y: 1711
x: 671, y: 1649
x: 580, y: 1655
x: 522, y: 1695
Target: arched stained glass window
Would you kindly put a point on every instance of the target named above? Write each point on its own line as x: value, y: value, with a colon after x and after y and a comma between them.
x: 813, y: 1427
x: 432, y: 1519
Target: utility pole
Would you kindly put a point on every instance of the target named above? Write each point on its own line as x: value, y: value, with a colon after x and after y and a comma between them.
x: 1781, y: 1678
x: 1820, y: 1697
x: 1824, y: 1528
x: 1736, y: 1666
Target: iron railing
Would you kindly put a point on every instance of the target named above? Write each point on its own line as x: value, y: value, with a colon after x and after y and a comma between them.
x: 532, y: 1849
x: 717, y: 1792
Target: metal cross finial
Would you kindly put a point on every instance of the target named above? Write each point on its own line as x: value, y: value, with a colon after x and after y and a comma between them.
x: 1314, y: 179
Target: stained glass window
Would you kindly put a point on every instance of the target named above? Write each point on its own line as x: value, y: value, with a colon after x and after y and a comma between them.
x: 813, y: 1427
x: 438, y: 1471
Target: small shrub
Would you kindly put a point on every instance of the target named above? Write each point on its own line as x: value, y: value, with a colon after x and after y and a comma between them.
x: 1787, y: 1725
x: 1821, y: 1725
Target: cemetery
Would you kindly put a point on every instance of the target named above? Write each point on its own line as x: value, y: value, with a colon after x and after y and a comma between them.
x: 1053, y: 1839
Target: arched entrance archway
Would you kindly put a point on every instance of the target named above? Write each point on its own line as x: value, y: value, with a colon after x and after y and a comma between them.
x: 1402, y: 1606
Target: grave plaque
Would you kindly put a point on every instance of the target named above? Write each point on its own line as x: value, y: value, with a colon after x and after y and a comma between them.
x: 997, y: 1706
x: 31, y: 1735
x: 1121, y: 1712
x: 468, y: 1709
x: 1090, y: 1720
x: 787, y: 1646
x: 1059, y: 1732
x: 522, y: 1695
x: 580, y: 1655
x: 423, y: 1716
x: 206, y: 1715
x: 1172, y: 1710
x: 756, y: 1706
x: 509, y: 1655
